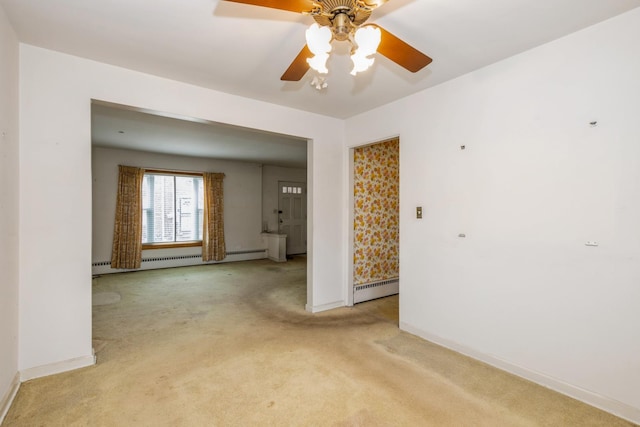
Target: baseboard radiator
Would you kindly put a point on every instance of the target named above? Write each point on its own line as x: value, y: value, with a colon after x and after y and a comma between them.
x: 377, y: 289
x: 151, y: 263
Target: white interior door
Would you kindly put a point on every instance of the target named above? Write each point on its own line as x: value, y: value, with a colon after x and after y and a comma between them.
x: 292, y: 215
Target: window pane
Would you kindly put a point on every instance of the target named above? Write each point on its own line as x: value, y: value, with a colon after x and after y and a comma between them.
x: 158, y: 208
x: 164, y: 209
x: 147, y: 212
x: 172, y: 208
x: 200, y: 210
x: 188, y: 208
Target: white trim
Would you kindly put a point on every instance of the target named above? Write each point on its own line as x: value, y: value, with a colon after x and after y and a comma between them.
x: 350, y: 231
x: 7, y: 400
x: 310, y: 221
x: 605, y: 403
x: 350, y: 169
x: 178, y: 261
x: 324, y: 307
x: 57, y: 367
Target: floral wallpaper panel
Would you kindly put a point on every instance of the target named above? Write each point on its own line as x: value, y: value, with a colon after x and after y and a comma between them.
x: 376, y: 216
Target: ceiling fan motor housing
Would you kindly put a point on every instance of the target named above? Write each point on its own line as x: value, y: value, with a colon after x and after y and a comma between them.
x: 341, y: 26
x: 343, y: 16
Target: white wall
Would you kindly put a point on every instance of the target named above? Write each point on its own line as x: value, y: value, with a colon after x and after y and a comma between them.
x: 55, y: 164
x: 270, y: 193
x: 242, y: 200
x: 535, y: 183
x: 8, y: 211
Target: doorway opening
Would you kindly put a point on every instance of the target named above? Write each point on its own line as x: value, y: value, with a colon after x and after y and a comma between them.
x: 376, y: 220
x: 251, y: 160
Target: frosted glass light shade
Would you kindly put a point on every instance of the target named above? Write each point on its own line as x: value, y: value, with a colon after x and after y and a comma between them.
x: 367, y: 39
x: 319, y: 43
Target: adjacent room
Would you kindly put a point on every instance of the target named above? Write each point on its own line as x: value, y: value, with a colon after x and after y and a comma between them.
x: 513, y: 241
x: 170, y: 151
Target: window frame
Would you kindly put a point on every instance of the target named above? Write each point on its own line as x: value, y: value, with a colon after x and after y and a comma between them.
x: 170, y: 245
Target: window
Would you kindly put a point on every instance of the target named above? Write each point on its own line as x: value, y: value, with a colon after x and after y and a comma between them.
x: 291, y: 190
x: 172, y: 208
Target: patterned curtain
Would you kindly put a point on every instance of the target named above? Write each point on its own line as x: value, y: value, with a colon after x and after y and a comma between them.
x: 127, y: 233
x: 213, y: 247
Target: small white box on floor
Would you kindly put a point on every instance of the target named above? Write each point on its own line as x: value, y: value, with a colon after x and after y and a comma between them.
x: 276, y: 246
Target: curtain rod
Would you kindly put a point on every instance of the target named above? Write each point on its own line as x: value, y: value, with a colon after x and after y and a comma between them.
x: 175, y: 172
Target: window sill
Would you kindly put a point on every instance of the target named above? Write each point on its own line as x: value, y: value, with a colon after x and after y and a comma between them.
x: 171, y: 245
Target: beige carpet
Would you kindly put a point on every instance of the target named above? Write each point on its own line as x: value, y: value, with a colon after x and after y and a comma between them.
x: 231, y: 345
x: 105, y: 298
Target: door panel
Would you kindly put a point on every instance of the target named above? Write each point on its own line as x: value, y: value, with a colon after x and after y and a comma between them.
x: 292, y: 206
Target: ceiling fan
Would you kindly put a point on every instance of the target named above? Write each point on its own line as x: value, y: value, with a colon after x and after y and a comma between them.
x: 343, y: 20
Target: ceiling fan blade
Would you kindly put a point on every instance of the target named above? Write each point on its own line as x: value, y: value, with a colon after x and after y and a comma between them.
x: 375, y: 3
x: 298, y: 67
x: 298, y: 6
x: 401, y: 53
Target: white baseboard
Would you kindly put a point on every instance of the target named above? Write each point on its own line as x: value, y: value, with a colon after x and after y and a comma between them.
x: 57, y: 367
x: 7, y: 399
x: 324, y: 307
x: 186, y: 261
x: 607, y: 404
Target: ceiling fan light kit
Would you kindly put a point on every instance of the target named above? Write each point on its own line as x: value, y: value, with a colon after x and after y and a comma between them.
x: 367, y: 40
x: 319, y: 43
x: 342, y: 20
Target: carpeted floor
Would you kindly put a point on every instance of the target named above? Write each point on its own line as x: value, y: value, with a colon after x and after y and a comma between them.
x: 231, y: 345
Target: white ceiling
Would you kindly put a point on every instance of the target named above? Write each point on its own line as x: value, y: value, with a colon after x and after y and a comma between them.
x: 120, y: 127
x: 243, y: 50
